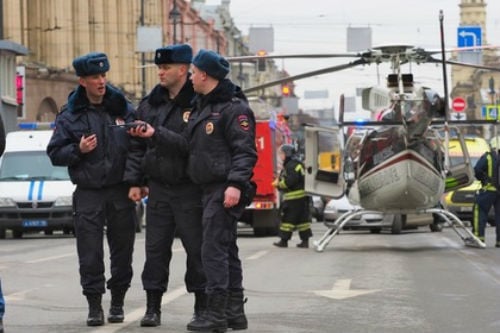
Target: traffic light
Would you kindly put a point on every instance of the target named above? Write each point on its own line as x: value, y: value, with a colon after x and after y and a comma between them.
x: 286, y: 91
x: 261, y: 62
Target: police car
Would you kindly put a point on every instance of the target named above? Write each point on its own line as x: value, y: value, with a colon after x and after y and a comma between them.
x: 34, y: 194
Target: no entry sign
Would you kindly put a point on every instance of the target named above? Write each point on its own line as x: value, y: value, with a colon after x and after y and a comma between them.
x: 458, y: 104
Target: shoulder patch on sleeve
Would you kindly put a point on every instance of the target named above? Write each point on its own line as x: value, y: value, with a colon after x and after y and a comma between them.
x: 244, y: 122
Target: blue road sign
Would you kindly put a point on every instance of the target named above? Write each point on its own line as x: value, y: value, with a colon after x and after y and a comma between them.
x: 469, y: 36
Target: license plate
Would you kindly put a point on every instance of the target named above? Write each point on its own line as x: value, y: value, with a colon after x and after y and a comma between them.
x: 34, y: 223
x: 466, y: 209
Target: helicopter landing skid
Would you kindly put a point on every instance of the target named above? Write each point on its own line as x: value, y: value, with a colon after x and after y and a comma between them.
x: 335, y: 227
x: 451, y: 219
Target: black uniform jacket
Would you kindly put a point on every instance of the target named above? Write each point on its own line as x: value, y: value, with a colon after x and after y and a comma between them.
x: 154, y: 158
x: 222, y: 137
x: 105, y: 165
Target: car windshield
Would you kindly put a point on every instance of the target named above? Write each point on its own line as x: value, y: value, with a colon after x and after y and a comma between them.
x: 30, y: 165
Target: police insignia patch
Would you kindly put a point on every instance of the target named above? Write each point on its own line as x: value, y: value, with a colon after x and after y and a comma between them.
x: 185, y: 116
x: 209, y: 128
x: 244, y: 123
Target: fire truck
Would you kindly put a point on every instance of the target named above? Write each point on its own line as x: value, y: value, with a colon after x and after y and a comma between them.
x: 271, y: 132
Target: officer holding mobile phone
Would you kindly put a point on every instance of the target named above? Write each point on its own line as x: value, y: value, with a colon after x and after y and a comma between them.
x: 174, y: 201
x: 95, y: 153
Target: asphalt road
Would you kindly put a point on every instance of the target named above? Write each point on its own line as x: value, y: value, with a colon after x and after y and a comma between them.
x: 414, y: 282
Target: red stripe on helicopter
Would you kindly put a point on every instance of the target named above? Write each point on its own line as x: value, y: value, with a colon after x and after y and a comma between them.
x: 409, y: 155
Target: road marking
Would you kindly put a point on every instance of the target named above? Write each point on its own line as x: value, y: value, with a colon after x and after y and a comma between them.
x: 135, y: 315
x: 35, y: 261
x: 257, y: 255
x: 341, y: 290
x: 19, y: 296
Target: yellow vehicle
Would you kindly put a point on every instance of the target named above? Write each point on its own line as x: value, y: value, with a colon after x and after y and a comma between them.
x: 461, y: 201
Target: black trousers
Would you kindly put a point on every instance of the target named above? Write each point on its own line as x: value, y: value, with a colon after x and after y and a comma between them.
x: 107, y: 209
x: 172, y: 209
x: 219, y: 250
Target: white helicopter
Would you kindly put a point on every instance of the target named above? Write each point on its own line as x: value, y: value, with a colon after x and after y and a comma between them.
x: 398, y: 164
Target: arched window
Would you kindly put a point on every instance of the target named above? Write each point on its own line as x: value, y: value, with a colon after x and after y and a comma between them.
x: 47, y: 110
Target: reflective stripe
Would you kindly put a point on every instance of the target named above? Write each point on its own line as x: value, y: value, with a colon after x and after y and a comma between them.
x: 300, y: 169
x: 287, y: 227
x: 294, y: 195
x: 475, y: 219
x: 489, y: 163
x: 304, y: 226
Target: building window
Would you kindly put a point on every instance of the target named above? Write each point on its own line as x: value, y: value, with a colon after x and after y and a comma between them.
x: 8, y: 77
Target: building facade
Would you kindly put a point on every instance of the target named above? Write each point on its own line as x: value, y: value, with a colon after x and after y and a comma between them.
x: 57, y: 31
x: 480, y: 88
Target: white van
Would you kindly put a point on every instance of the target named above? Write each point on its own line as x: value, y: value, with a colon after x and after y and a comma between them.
x: 34, y: 194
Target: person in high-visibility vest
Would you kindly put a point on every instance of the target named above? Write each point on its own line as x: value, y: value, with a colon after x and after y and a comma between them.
x: 486, y: 171
x: 295, y: 209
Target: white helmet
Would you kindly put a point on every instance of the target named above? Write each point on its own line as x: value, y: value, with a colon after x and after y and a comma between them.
x: 494, y: 143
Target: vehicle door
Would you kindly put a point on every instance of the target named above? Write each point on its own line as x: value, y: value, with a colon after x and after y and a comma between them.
x: 323, y: 161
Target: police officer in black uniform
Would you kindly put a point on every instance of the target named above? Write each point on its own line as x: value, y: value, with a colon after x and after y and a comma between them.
x: 222, y: 155
x: 87, y: 141
x: 295, y: 209
x: 174, y: 201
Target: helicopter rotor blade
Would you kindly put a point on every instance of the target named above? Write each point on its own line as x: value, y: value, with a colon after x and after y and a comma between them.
x: 308, y: 74
x: 253, y: 58
x: 464, y: 64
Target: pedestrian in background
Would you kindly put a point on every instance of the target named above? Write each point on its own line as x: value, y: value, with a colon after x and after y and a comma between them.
x: 295, y: 208
x: 222, y: 155
x: 486, y: 171
x: 88, y: 140
x: 174, y: 201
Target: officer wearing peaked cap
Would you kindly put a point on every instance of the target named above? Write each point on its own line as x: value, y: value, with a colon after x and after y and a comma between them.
x: 174, y: 201
x: 94, y: 150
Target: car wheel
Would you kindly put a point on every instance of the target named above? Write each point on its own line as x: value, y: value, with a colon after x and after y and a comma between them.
x: 17, y: 233
x: 48, y: 232
x: 2, y: 233
x: 436, y: 227
x: 375, y: 230
x: 398, y: 223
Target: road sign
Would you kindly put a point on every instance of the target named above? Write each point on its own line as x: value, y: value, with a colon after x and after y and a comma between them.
x: 468, y: 36
x: 458, y: 104
x: 458, y: 116
x: 491, y: 112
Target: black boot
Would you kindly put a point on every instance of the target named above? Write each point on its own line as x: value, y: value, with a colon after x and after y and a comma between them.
x: 152, y: 317
x: 96, y: 314
x: 304, y: 244
x: 214, y: 318
x: 281, y: 243
x: 200, y: 305
x: 235, y: 313
x: 1, y: 325
x: 116, y: 314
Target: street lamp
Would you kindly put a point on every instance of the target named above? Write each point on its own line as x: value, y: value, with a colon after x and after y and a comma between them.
x: 174, y: 15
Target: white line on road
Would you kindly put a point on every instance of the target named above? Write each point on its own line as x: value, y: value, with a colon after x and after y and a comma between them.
x: 35, y: 261
x: 257, y: 255
x: 137, y: 314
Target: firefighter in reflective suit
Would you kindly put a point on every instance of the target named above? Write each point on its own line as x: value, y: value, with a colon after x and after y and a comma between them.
x: 295, y: 209
x: 485, y: 171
